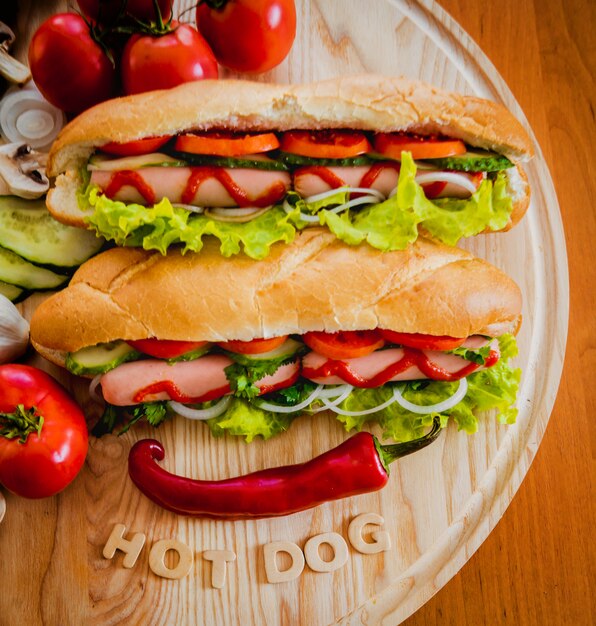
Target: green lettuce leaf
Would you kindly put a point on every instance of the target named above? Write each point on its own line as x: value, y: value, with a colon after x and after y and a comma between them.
x: 388, y: 225
x: 247, y: 420
x: 163, y: 225
x: 478, y: 356
x: 492, y: 388
x: 393, y: 224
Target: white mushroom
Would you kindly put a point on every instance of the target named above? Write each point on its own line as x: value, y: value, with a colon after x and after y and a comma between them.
x: 22, y: 171
x: 10, y: 68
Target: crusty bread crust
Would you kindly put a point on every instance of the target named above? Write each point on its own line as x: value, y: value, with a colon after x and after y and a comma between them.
x: 367, y: 102
x: 315, y: 284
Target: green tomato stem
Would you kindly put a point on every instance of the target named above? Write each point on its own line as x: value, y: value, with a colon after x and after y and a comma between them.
x: 20, y: 423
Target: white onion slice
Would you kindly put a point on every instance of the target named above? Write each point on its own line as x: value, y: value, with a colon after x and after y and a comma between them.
x: 373, y: 196
x: 334, y: 391
x: 447, y: 177
x: 277, y: 408
x: 235, y: 215
x: 445, y: 405
x: 336, y: 409
x: 200, y: 414
x: 93, y: 390
x: 337, y: 398
x: 26, y: 117
x: 189, y: 207
x: 345, y: 189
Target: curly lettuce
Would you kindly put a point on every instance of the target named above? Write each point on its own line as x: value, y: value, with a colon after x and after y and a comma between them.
x: 389, y: 225
x: 493, y: 388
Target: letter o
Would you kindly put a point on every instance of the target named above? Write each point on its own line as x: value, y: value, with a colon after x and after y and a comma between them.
x: 313, y: 558
x: 158, y: 552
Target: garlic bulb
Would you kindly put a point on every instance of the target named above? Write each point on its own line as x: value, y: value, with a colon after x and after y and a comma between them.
x: 14, y: 331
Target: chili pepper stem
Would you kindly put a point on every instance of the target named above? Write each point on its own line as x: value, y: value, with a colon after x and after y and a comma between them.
x: 391, y: 452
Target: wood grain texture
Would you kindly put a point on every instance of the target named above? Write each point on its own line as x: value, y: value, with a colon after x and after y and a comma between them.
x: 59, y: 570
x: 537, y: 566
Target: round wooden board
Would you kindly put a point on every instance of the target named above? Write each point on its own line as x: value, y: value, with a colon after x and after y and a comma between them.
x: 440, y: 503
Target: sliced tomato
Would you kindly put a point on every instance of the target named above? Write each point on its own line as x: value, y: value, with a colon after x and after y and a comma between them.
x: 226, y: 144
x: 325, y: 144
x: 134, y: 148
x: 344, y: 344
x: 165, y: 348
x: 255, y: 346
x: 393, y: 144
x: 422, y: 342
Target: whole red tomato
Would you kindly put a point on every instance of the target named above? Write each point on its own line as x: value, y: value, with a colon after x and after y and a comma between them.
x: 68, y: 66
x: 248, y: 35
x: 38, y: 458
x: 106, y: 11
x: 164, y: 61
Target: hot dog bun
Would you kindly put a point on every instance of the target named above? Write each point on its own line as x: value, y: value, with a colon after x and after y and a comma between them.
x: 315, y: 284
x: 365, y: 102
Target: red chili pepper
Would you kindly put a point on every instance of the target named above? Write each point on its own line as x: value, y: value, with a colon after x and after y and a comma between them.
x: 358, y: 465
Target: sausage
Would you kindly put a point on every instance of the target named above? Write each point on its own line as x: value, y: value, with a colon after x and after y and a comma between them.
x: 257, y: 187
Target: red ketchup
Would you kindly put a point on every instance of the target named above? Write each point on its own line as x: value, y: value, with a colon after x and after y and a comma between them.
x: 412, y: 357
x: 170, y: 388
x: 375, y: 171
x: 200, y: 174
x: 128, y: 178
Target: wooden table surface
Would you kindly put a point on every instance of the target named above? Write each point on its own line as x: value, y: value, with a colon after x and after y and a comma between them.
x: 537, y: 566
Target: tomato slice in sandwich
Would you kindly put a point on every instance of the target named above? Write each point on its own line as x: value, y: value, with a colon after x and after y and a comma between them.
x: 422, y: 342
x: 344, y: 344
x: 325, y: 144
x: 165, y: 348
x: 226, y: 144
x: 135, y: 148
x: 393, y: 144
x: 255, y: 346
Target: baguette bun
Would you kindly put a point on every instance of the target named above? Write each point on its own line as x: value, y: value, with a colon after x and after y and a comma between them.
x: 315, y: 284
x: 366, y: 102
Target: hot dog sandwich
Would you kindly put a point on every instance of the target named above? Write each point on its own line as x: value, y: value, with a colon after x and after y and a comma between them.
x: 374, y: 159
x: 249, y: 346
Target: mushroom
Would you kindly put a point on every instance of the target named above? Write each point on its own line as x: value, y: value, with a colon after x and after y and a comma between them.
x: 22, y: 171
x: 13, y: 70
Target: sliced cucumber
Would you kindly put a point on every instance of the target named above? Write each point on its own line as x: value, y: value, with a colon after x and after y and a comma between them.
x: 100, y: 358
x: 17, y: 271
x: 106, y: 163
x: 288, y: 349
x: 27, y: 228
x: 12, y: 292
x: 295, y: 160
x: 255, y: 163
x: 192, y: 354
x: 474, y: 161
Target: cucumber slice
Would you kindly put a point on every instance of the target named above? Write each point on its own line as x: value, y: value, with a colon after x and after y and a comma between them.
x: 12, y: 292
x: 474, y: 161
x: 192, y: 355
x: 295, y: 160
x: 231, y: 162
x: 288, y: 349
x: 28, y: 229
x: 100, y: 358
x: 17, y: 271
x: 106, y: 163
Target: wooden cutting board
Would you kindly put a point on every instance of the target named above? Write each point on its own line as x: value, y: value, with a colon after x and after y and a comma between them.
x: 440, y: 504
